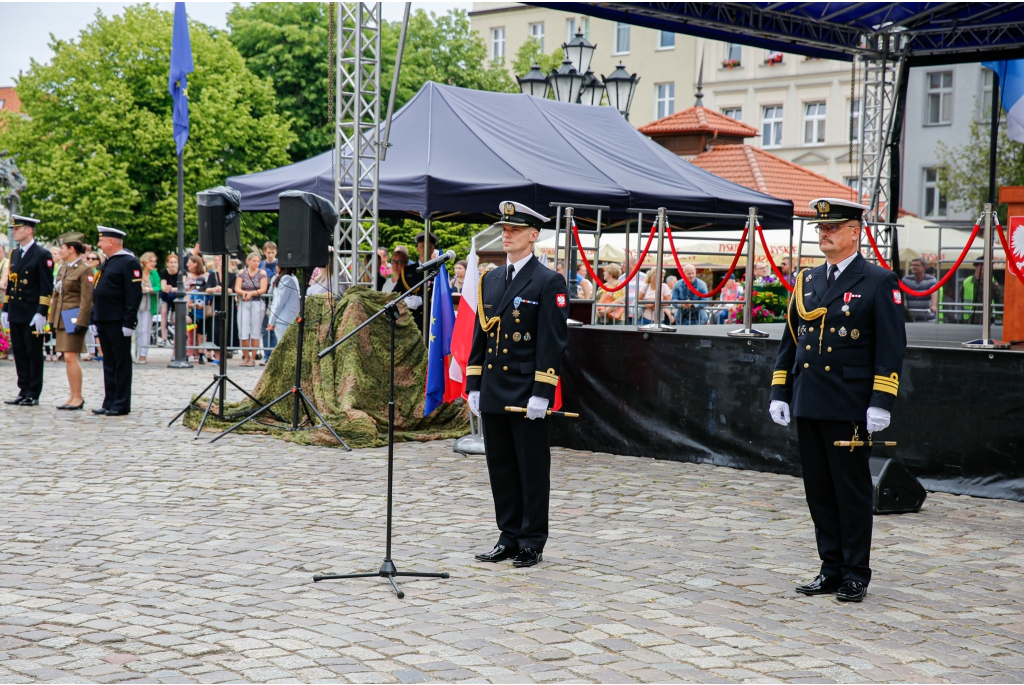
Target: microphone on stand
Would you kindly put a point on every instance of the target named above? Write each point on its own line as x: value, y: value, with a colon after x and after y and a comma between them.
x: 436, y: 261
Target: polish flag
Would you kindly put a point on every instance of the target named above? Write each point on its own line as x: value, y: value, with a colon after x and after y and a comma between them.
x: 465, y: 325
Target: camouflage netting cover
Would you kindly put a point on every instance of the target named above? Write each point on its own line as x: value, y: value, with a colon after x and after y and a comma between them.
x: 350, y: 386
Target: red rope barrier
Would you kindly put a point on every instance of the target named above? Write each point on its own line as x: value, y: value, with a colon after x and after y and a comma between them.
x: 728, y: 274
x: 636, y: 267
x: 1010, y: 265
x: 942, y: 281
x: 778, y: 274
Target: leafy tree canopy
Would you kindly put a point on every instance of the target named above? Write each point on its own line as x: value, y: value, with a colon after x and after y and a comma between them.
x: 963, y: 174
x: 97, y: 147
x: 530, y: 53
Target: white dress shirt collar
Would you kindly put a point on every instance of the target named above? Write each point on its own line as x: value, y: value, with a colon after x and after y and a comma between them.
x: 841, y: 266
x: 517, y: 266
x: 28, y: 246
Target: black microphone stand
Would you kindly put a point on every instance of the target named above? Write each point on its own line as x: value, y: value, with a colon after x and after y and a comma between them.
x: 220, y: 379
x: 299, y: 397
x: 387, y: 569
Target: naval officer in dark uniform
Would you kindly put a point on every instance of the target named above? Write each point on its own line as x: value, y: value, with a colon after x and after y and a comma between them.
x: 520, y: 336
x: 839, y: 367
x: 26, y: 304
x: 116, y: 294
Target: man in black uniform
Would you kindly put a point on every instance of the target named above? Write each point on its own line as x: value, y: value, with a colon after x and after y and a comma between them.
x: 29, y: 288
x: 839, y: 365
x: 115, y: 310
x: 518, y: 343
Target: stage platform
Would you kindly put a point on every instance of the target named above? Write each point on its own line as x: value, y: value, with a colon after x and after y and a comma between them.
x: 698, y: 395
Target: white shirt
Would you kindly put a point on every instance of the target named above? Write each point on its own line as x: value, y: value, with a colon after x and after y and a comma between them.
x: 27, y: 246
x: 841, y: 266
x: 517, y: 266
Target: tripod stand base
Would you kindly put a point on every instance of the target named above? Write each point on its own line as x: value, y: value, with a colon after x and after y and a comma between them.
x: 301, y: 400
x: 387, y: 570
x: 218, y: 389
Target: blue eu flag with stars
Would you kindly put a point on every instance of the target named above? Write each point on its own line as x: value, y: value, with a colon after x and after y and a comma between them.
x: 442, y: 323
x: 181, y: 67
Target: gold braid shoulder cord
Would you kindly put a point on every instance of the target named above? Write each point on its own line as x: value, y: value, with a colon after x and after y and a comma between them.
x: 798, y: 295
x: 485, y: 323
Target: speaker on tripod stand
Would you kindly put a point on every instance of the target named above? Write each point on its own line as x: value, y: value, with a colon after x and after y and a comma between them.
x: 219, y: 215
x: 305, y: 226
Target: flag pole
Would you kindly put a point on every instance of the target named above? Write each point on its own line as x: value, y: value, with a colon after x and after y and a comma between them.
x: 180, y: 360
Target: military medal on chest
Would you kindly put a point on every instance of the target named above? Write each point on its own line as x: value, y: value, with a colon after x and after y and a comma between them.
x: 515, y: 304
x: 846, y: 299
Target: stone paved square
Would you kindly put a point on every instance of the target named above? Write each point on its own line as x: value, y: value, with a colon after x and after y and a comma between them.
x: 130, y: 552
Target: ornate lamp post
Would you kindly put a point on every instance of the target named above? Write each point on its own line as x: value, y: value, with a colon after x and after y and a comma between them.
x: 534, y: 83
x: 567, y: 82
x: 579, y: 52
x: 593, y: 90
x: 621, y: 85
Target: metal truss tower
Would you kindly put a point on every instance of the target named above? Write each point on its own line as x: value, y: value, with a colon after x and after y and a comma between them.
x: 879, y: 98
x: 357, y: 141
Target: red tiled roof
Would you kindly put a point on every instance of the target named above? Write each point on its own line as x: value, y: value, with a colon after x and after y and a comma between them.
x: 9, y: 96
x: 764, y: 172
x: 698, y: 120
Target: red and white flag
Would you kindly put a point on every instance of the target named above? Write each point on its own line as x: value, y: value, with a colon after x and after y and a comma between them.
x: 465, y: 323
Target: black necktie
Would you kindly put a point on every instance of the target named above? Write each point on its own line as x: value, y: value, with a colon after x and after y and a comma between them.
x: 832, y: 269
x: 508, y: 275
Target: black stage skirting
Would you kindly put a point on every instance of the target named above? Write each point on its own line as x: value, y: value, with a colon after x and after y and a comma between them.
x: 697, y: 395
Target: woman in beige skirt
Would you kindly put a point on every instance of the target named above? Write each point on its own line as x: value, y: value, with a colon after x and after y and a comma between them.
x: 72, y: 289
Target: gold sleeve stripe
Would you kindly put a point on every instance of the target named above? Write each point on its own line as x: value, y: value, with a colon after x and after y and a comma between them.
x: 889, y: 384
x: 45, y: 299
x: 474, y: 370
x: 136, y: 280
x: 542, y: 377
x: 779, y: 377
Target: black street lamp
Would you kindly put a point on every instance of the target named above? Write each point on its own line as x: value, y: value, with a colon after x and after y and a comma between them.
x: 593, y: 90
x: 579, y: 52
x: 621, y: 85
x: 567, y: 82
x: 534, y: 83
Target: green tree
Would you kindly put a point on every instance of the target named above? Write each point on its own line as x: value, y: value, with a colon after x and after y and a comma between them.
x: 97, y: 147
x: 963, y: 174
x: 530, y: 53
x: 287, y: 43
x: 451, y: 235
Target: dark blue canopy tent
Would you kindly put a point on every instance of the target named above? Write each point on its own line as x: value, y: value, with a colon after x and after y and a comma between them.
x: 459, y: 153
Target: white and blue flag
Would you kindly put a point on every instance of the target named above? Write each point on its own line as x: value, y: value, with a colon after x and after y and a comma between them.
x: 1011, y: 85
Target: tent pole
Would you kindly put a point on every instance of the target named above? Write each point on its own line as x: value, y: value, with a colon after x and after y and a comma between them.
x: 384, y: 144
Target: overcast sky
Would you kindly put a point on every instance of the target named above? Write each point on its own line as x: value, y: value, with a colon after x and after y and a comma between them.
x: 25, y: 27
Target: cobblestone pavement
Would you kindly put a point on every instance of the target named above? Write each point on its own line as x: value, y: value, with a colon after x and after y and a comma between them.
x: 130, y: 552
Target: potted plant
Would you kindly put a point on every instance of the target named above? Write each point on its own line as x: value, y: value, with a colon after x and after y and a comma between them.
x: 730, y: 63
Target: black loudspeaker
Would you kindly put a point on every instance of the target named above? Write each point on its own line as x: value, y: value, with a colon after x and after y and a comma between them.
x: 303, y: 235
x: 220, y: 223
x: 896, y: 490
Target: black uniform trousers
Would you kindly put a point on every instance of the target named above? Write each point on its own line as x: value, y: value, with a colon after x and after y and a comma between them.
x: 27, y: 347
x: 838, y: 487
x: 117, y: 367
x: 519, y: 466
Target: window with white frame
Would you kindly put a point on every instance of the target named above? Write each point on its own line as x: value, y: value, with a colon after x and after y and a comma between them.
x: 497, y: 43
x: 852, y: 181
x: 586, y: 27
x: 537, y: 33
x: 570, y: 29
x: 814, y: 123
x: 771, y: 126
x: 664, y: 99
x: 934, y: 200
x: 940, y: 97
x: 666, y: 40
x: 985, y: 108
x: 2, y: 103
x: 856, y: 106
x: 733, y: 52
x: 621, y: 38
x: 733, y: 112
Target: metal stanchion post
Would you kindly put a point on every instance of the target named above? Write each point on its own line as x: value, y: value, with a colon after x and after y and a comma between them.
x: 986, y: 342
x: 657, y: 326
x: 748, y: 292
x: 569, y: 264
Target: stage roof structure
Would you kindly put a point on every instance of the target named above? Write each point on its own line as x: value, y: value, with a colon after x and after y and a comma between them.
x: 459, y: 153
x: 935, y: 32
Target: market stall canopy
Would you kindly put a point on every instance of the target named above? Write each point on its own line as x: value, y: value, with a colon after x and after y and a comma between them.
x: 458, y: 153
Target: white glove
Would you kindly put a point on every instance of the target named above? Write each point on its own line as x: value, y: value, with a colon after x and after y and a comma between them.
x: 414, y: 301
x: 128, y: 332
x: 780, y: 412
x: 536, y: 408
x: 474, y: 402
x: 878, y: 419
x: 4, y: 322
x: 39, y: 321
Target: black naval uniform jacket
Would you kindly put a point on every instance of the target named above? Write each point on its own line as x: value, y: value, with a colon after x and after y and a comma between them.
x: 29, y: 284
x: 834, y: 364
x: 117, y: 291
x: 519, y: 355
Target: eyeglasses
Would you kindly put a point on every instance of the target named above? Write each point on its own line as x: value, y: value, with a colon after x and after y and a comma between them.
x: 827, y: 228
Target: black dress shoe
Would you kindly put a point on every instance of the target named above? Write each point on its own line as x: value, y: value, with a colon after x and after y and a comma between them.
x: 28, y: 402
x: 16, y: 400
x: 100, y: 411
x: 851, y: 591
x: 822, y: 585
x: 499, y: 553
x: 527, y: 557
